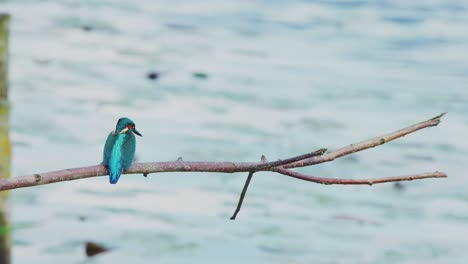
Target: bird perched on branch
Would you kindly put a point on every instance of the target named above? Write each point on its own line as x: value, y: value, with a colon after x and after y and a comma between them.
x: 119, y: 149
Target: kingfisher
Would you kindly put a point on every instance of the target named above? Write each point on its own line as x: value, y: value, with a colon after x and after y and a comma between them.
x: 119, y: 149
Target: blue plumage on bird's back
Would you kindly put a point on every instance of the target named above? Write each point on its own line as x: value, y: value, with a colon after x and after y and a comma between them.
x: 115, y: 161
x: 108, y: 148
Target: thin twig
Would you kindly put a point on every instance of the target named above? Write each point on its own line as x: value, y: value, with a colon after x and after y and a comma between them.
x: 272, y: 164
x: 241, y: 198
x: 268, y: 165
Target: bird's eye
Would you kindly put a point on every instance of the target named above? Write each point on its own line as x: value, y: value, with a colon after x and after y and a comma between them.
x: 130, y: 126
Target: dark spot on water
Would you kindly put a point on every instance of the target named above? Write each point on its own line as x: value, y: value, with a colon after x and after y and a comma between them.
x: 200, y: 75
x: 399, y: 186
x: 87, y: 28
x: 153, y: 75
x: 93, y: 249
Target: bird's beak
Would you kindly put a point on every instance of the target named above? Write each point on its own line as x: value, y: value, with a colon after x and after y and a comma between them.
x: 136, y: 132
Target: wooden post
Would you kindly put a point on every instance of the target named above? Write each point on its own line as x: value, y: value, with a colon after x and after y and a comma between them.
x: 4, y: 24
x: 5, y: 150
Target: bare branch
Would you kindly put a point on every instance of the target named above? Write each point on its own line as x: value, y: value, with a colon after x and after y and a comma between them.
x: 280, y: 166
x: 329, y: 181
x: 366, y: 144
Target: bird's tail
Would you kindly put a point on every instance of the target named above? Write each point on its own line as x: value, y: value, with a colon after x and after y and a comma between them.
x: 114, y: 174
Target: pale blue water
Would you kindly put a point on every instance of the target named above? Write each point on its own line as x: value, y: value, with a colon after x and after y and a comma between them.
x: 283, y: 78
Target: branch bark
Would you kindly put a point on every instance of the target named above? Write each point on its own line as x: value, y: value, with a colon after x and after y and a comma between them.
x: 281, y: 166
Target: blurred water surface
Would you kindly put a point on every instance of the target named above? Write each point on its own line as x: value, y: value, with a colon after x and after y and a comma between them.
x: 238, y: 79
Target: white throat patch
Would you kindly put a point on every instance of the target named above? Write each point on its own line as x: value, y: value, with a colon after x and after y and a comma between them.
x: 123, y: 130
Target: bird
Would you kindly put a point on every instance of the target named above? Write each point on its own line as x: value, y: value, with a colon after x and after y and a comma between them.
x: 119, y: 148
